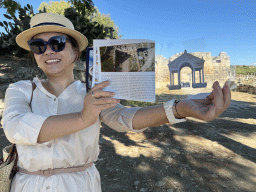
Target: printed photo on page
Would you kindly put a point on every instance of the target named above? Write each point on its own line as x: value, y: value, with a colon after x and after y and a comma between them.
x: 129, y: 65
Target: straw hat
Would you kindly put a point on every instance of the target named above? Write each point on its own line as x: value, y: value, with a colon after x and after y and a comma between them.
x: 50, y: 22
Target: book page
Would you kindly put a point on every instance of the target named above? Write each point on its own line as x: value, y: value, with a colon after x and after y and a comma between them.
x: 129, y: 65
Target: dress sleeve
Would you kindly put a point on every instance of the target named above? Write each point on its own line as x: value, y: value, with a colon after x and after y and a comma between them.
x: 120, y: 118
x: 20, y: 125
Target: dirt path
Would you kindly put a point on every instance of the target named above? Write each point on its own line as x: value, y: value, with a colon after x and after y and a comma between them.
x: 191, y: 156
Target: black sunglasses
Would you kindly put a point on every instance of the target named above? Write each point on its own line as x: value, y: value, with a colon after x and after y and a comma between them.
x: 57, y: 44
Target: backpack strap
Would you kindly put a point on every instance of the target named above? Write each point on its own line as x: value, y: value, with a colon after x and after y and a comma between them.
x: 33, y: 88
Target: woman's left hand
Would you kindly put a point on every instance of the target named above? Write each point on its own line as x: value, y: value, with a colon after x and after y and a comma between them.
x: 209, y: 108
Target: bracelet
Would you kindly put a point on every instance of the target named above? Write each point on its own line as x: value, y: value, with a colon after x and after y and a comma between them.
x: 175, y: 103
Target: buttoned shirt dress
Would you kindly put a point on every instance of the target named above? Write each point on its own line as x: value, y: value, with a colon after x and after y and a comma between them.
x: 22, y: 125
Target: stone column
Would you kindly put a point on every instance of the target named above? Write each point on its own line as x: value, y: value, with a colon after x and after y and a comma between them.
x: 200, y: 76
x: 203, y: 74
x: 179, y: 78
x: 193, y: 76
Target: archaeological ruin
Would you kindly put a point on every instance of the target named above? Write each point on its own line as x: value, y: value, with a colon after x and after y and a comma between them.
x: 195, y: 70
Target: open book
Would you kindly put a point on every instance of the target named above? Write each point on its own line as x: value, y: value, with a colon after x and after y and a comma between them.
x: 129, y: 64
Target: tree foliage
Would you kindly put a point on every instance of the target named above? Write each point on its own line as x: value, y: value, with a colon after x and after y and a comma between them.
x: 106, y: 21
x: 87, y: 25
x: 55, y: 6
x: 84, y: 7
x: 95, y: 16
x: 92, y: 30
x: 10, y: 6
x: 13, y: 28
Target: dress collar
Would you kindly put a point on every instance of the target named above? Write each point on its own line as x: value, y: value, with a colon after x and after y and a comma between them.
x: 39, y: 85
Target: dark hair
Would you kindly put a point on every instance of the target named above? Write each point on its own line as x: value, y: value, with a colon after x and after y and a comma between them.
x: 31, y: 55
x: 75, y: 45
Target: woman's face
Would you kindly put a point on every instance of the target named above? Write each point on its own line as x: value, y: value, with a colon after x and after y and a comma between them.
x: 55, y: 63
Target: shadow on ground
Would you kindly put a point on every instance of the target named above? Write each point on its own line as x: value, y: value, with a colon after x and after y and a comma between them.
x: 189, y: 156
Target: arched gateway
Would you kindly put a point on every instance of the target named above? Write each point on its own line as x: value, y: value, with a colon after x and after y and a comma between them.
x: 187, y: 60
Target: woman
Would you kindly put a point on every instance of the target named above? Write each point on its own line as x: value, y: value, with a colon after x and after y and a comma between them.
x: 59, y: 134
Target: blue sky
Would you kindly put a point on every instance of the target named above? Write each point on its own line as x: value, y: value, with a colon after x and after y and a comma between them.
x: 175, y: 25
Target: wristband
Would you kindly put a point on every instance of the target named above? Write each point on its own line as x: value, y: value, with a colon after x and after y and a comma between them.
x: 169, y: 113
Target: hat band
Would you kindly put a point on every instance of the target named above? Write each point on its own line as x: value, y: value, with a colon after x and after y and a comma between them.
x: 48, y: 23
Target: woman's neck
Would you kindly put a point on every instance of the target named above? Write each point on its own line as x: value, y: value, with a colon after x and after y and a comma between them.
x: 57, y: 86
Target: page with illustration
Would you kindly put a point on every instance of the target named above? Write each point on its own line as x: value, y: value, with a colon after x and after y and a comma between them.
x: 129, y: 64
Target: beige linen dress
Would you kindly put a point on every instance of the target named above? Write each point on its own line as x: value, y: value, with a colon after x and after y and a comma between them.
x: 22, y: 125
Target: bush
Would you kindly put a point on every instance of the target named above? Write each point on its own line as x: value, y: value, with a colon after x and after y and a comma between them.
x: 8, y: 44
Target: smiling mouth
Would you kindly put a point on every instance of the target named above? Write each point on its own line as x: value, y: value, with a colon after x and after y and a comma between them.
x: 52, y: 61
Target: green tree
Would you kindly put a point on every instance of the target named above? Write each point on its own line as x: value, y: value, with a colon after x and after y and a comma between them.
x: 11, y: 6
x: 55, y: 6
x: 103, y: 19
x: 106, y: 21
x: 92, y: 30
x: 87, y: 25
x: 84, y: 7
x: 15, y: 26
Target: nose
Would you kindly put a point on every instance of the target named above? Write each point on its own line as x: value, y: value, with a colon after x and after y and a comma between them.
x: 48, y: 50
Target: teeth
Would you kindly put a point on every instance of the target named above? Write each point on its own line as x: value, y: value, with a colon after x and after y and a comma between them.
x: 52, y: 60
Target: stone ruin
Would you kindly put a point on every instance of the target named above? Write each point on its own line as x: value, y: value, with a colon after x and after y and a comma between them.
x: 196, y: 69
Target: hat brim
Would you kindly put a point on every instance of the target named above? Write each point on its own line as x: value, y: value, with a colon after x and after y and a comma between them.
x: 23, y: 38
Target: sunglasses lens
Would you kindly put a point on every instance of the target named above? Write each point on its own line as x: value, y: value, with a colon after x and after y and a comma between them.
x: 37, y: 46
x: 57, y: 43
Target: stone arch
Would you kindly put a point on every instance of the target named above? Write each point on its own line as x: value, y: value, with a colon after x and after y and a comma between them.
x: 185, y: 64
x: 187, y: 60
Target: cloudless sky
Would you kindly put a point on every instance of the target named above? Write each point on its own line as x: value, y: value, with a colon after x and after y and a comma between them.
x: 175, y: 25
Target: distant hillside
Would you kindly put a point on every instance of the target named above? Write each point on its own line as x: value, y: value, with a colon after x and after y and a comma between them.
x: 244, y: 70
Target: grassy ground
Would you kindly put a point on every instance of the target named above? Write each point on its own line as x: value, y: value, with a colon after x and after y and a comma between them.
x: 244, y: 70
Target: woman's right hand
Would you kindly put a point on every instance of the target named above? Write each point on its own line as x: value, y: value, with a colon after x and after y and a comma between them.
x: 101, y: 100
